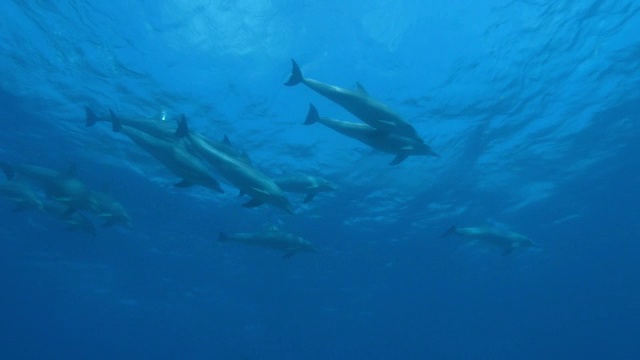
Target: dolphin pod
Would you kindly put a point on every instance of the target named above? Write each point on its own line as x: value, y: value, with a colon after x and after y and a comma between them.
x: 64, y: 196
x: 506, y: 240
x: 360, y: 104
x: 173, y: 154
x: 248, y: 179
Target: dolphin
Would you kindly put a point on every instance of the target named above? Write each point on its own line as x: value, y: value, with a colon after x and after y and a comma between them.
x: 75, y: 221
x: 158, y: 129
x: 59, y: 186
x: 22, y: 195
x: 248, y: 179
x: 308, y: 185
x: 107, y: 207
x: 163, y: 130
x: 360, y: 104
x: 401, y: 146
x: 273, y: 238
x: 507, y: 240
x: 172, y: 154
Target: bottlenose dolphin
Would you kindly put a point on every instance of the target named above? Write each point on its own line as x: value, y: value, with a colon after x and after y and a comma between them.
x: 63, y: 187
x: 401, y: 146
x: 172, y: 154
x: 245, y: 177
x: 507, y: 240
x: 360, y: 104
x: 156, y: 128
x: 22, y: 195
x: 273, y: 238
x: 308, y: 185
x: 75, y: 221
x: 164, y: 130
x: 110, y: 209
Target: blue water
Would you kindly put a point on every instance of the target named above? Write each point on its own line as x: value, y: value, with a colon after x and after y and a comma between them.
x: 533, y: 107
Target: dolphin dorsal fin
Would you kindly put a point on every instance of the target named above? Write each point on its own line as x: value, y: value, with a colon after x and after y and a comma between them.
x: 226, y: 140
x: 183, y: 128
x: 361, y: 89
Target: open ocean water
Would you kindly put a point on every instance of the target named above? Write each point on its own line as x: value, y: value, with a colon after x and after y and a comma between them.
x: 532, y: 106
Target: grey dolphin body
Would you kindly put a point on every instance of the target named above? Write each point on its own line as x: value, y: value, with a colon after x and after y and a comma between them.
x: 110, y: 209
x: 240, y: 174
x: 360, y: 104
x: 59, y: 186
x: 172, y: 154
x: 22, y: 195
x: 507, y: 240
x: 273, y: 239
x: 164, y: 130
x: 158, y: 129
x: 75, y: 221
x: 308, y: 185
x: 401, y: 146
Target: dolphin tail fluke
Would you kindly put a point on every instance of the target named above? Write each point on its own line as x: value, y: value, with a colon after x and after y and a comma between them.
x: 116, y: 124
x: 223, y: 237
x: 183, y: 128
x: 8, y: 170
x: 296, y: 74
x: 451, y: 230
x: 312, y: 116
x: 91, y: 118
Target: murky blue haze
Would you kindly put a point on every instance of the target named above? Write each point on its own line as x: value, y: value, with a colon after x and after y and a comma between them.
x: 533, y: 107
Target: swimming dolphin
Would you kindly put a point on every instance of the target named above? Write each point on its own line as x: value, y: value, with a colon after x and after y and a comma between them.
x: 401, y: 146
x: 164, y: 130
x: 507, y: 240
x: 22, y: 195
x: 172, y: 154
x: 360, y: 104
x: 248, y: 179
x: 75, y: 221
x: 59, y: 186
x: 156, y: 128
x: 308, y: 185
x: 110, y: 209
x: 273, y: 238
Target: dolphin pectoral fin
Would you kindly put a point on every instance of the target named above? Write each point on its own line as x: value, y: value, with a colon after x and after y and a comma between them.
x: 289, y: 253
x: 309, y: 197
x: 253, y: 203
x: 241, y: 193
x: 296, y: 74
x: 312, y: 116
x: 8, y: 170
x: 90, y: 117
x: 398, y: 159
x: 183, y: 184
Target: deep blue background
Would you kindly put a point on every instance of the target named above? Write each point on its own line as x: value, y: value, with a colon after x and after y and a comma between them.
x: 533, y: 107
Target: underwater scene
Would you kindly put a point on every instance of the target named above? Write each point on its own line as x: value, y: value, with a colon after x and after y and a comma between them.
x: 277, y: 179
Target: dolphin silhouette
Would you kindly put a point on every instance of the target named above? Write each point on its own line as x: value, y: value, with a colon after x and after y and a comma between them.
x: 507, y: 240
x: 401, y: 146
x: 248, y: 179
x: 273, y: 238
x: 360, y: 104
